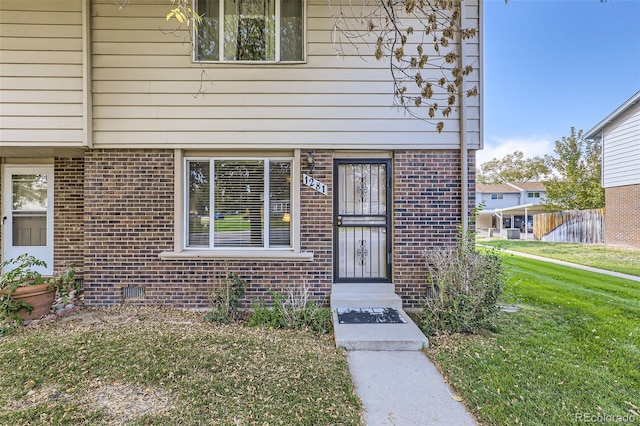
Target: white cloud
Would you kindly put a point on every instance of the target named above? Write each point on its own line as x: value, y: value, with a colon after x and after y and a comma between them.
x: 498, y: 148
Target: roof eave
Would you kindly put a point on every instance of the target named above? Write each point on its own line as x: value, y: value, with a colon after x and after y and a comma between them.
x: 591, y: 134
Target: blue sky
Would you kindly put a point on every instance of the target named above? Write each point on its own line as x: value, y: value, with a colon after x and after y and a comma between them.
x: 553, y: 64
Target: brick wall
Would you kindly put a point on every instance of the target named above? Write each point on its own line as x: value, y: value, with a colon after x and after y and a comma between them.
x: 114, y: 215
x: 427, y: 212
x: 129, y: 220
x: 68, y: 218
x: 622, y: 204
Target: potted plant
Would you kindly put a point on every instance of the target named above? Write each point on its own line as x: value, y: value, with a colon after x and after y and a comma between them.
x: 24, y: 292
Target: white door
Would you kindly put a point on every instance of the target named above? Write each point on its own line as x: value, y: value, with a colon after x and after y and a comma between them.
x: 27, y: 219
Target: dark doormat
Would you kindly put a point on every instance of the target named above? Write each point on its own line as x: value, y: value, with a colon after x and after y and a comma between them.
x: 369, y: 316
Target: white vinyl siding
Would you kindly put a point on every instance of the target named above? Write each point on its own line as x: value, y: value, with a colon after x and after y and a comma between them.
x: 621, y: 150
x: 501, y: 200
x: 145, y: 91
x: 41, y: 73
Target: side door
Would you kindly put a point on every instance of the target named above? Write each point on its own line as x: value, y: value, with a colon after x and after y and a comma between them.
x: 27, y: 216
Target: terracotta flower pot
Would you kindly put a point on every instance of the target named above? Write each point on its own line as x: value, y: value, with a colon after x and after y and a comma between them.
x: 39, y: 296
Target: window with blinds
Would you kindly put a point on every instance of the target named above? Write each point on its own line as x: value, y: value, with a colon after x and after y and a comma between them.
x: 250, y: 30
x: 238, y: 203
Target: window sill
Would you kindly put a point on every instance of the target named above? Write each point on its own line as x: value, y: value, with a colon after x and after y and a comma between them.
x: 237, y: 255
x: 250, y: 63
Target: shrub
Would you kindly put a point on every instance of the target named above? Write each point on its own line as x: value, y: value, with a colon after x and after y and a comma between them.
x: 292, y: 311
x: 226, y: 302
x: 463, y: 288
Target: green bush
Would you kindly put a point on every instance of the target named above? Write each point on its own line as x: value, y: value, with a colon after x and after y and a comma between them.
x: 266, y: 316
x: 292, y: 311
x: 463, y: 289
x: 226, y: 301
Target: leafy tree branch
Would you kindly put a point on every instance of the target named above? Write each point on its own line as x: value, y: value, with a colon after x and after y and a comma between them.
x: 576, y: 166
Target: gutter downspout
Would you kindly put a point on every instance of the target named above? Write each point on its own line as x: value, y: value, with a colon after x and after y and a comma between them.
x: 87, y: 83
x: 464, y: 154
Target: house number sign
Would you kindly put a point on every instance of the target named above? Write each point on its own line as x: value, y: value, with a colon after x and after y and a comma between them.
x: 314, y: 183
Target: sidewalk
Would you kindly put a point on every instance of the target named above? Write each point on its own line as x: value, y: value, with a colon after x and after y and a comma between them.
x: 404, y: 388
x: 396, y: 382
x: 564, y: 263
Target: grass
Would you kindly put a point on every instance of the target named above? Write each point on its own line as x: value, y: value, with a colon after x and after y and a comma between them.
x: 571, y: 352
x: 626, y: 261
x: 232, y: 222
x: 171, y: 368
x: 240, y: 222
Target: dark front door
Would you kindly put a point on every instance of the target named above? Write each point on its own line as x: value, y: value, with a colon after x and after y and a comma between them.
x: 362, y: 221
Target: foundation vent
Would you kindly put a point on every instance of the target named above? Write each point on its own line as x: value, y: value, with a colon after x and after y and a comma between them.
x: 133, y: 292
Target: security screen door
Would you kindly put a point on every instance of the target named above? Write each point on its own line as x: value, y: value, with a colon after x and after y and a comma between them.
x: 362, y: 223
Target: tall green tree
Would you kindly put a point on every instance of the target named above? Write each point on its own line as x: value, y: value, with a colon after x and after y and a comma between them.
x: 513, y: 168
x: 575, y: 181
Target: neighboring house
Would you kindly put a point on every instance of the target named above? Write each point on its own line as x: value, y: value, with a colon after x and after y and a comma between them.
x: 506, y: 205
x: 273, y: 158
x: 620, y: 136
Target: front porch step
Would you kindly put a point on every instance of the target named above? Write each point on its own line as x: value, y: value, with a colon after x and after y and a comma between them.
x: 364, y: 296
x: 373, y: 337
x: 379, y: 337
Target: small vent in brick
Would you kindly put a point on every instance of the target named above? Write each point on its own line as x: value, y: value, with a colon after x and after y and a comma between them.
x: 132, y: 292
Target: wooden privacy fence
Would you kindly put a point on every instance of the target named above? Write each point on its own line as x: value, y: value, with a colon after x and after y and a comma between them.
x: 572, y: 226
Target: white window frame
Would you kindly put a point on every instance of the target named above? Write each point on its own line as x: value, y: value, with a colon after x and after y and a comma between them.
x: 277, y: 60
x: 266, y: 202
x: 497, y: 196
x: 179, y: 250
x: 533, y: 194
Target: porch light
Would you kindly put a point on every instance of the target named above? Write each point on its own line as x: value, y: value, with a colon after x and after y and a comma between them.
x: 311, y: 161
x: 286, y: 217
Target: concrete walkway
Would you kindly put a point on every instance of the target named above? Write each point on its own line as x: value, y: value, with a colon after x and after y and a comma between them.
x: 564, y: 263
x: 396, y: 382
x: 404, y: 388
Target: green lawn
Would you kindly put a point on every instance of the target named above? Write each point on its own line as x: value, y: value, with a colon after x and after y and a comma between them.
x: 151, y: 366
x: 626, y: 261
x: 232, y: 222
x: 572, y: 352
x: 240, y: 222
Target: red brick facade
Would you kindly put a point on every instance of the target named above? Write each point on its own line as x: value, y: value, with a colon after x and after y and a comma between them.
x: 68, y: 215
x: 621, y: 218
x: 114, y: 215
x: 427, y: 212
x: 129, y: 210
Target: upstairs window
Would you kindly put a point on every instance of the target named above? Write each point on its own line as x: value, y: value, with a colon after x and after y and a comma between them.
x: 496, y: 196
x: 238, y: 203
x: 250, y: 30
x: 533, y: 195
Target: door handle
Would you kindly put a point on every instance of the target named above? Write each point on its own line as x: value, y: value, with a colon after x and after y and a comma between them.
x: 4, y: 219
x: 339, y: 220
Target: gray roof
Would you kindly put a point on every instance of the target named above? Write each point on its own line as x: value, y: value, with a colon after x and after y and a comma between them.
x: 511, y: 187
